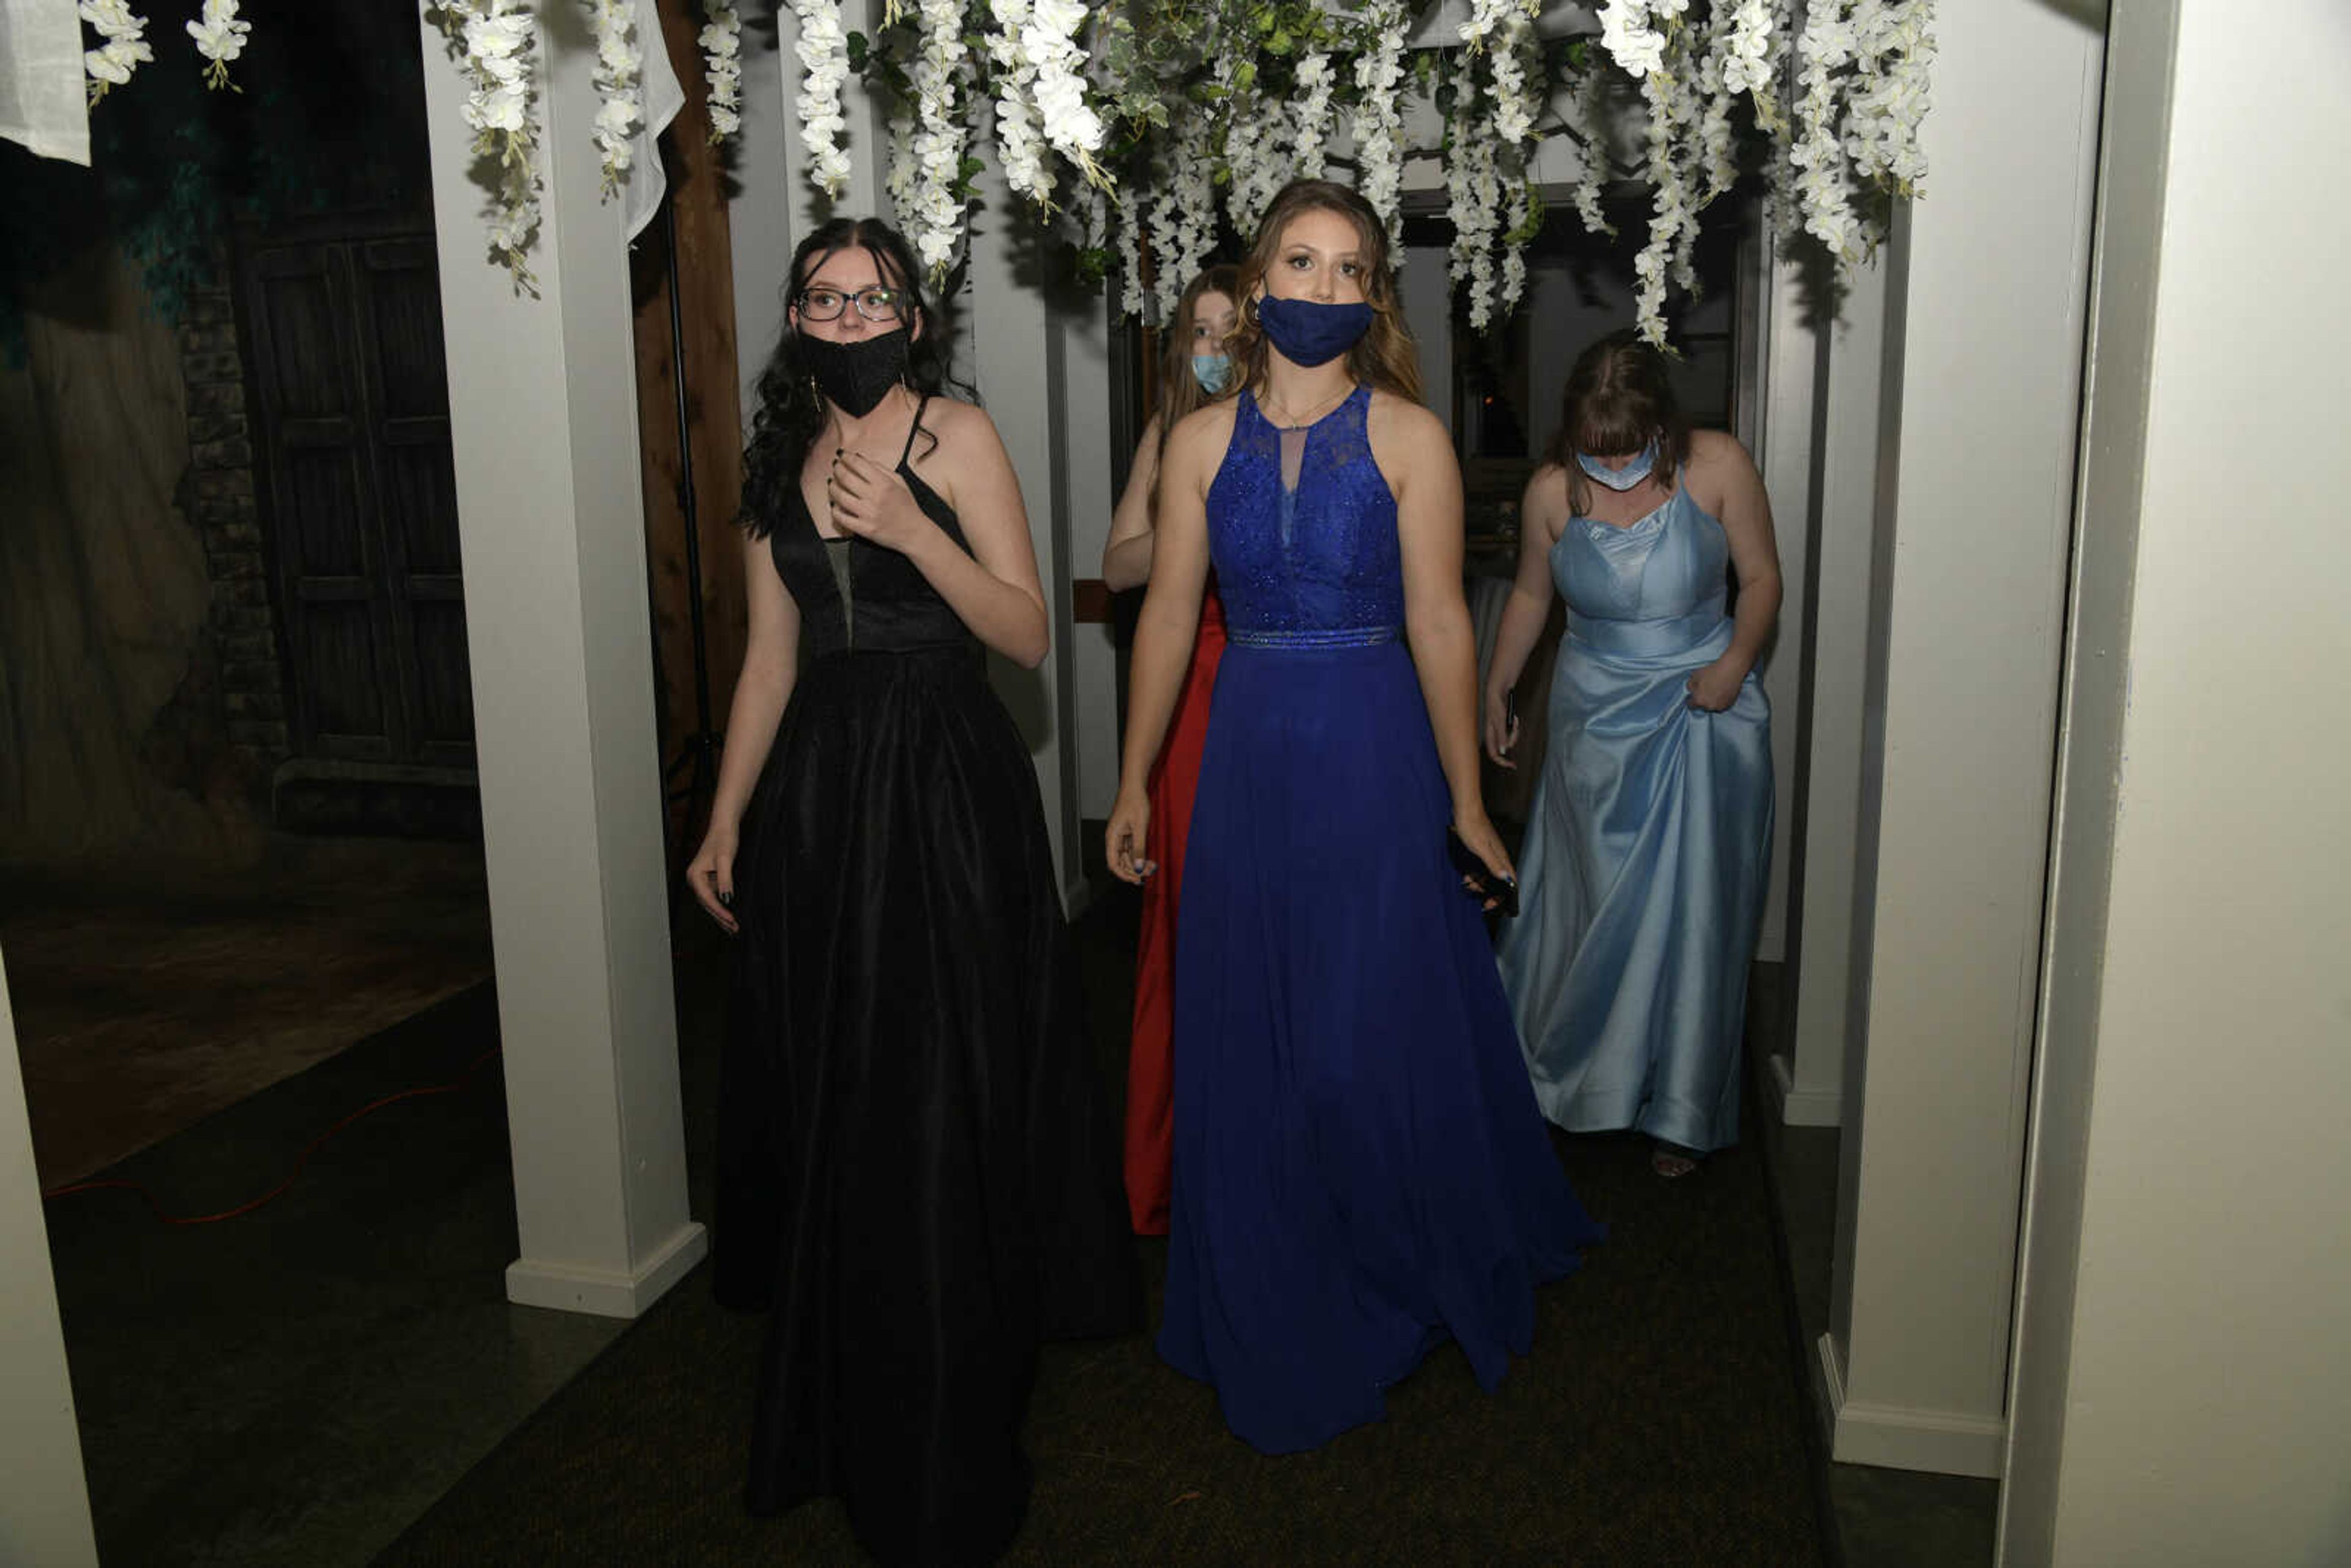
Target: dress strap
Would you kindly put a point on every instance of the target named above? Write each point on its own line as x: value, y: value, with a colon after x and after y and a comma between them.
x: 914, y: 430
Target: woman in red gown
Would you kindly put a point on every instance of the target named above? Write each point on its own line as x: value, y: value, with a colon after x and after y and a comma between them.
x: 1193, y: 369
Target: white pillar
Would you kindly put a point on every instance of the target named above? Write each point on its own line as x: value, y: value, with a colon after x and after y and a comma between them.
x: 44, y: 1497
x: 2182, y: 1382
x: 1987, y: 280
x: 1826, y: 726
x: 1088, y: 454
x: 1013, y: 352
x: 1777, y: 350
x: 543, y: 419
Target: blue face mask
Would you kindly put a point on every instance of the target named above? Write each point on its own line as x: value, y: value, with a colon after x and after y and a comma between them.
x: 1213, y: 371
x: 1308, y: 333
x: 1623, y: 478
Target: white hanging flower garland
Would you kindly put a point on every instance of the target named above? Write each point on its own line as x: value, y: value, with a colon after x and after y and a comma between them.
x: 1474, y: 195
x: 1894, y: 50
x: 500, y: 38
x: 109, y: 65
x: 1071, y: 128
x: 1020, y: 127
x: 823, y: 50
x: 1377, y: 123
x: 721, y: 40
x: 618, y: 78
x: 1842, y: 102
x: 1310, y: 116
x: 1821, y: 171
x: 220, y: 35
x: 936, y: 228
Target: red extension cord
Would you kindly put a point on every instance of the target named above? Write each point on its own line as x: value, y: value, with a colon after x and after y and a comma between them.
x: 280, y: 1189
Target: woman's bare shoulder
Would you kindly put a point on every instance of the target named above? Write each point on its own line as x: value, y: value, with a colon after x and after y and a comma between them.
x: 1402, y: 419
x: 1210, y: 426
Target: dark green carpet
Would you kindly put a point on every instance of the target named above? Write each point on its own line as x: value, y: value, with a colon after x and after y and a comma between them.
x: 1658, y: 1421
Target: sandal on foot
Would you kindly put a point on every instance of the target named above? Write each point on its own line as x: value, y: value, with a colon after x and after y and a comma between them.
x: 1671, y: 1160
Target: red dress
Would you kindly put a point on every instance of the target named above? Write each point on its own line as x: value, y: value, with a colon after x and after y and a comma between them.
x: 1150, y: 1080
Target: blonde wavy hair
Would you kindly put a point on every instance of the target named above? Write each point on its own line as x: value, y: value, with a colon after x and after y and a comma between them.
x: 1385, y: 356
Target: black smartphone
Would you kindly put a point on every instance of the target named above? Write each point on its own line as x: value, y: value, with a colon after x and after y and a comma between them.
x: 1485, y: 884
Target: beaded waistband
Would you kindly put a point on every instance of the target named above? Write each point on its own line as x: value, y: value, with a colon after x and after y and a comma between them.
x: 1314, y: 639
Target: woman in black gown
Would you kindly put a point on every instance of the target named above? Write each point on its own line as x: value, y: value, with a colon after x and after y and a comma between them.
x: 917, y: 1177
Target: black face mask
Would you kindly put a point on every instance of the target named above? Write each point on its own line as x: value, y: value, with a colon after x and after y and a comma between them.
x: 856, y: 375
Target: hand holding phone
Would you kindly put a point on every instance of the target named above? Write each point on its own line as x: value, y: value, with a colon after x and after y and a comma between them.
x: 1490, y: 891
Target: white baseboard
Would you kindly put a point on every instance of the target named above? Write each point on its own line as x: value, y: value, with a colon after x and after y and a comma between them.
x: 1803, y: 1107
x: 1943, y: 1442
x: 602, y: 1292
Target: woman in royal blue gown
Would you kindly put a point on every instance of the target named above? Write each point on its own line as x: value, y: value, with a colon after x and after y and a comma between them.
x: 1650, y: 841
x: 1360, y: 1169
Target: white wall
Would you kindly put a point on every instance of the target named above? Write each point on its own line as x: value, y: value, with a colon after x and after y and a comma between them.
x: 44, y: 1498
x: 1975, y: 496
x: 2183, y: 1378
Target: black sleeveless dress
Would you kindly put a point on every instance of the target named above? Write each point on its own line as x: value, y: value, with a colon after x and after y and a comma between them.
x: 917, y: 1176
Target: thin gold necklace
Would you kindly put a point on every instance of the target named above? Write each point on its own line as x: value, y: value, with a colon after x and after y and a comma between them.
x: 1301, y: 424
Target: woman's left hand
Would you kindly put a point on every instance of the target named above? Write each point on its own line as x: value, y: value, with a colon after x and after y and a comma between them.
x: 1716, y: 687
x: 1477, y: 831
x: 873, y: 503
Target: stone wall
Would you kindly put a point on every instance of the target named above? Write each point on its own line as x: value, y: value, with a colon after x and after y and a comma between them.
x: 242, y: 623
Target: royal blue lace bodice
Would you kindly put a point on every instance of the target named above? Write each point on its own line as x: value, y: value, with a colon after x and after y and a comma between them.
x: 1314, y: 561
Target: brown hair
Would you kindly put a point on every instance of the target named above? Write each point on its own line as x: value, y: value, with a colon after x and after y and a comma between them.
x: 1618, y: 398
x: 1385, y: 356
x: 1179, y: 390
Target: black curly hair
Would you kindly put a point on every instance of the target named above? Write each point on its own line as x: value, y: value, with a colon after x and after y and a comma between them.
x: 790, y: 412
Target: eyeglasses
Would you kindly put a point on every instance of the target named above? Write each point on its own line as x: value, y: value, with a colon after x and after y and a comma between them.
x: 873, y: 304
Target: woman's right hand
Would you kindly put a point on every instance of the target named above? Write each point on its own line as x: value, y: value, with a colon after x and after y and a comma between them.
x: 710, y: 875
x: 1130, y: 819
x: 1501, y: 729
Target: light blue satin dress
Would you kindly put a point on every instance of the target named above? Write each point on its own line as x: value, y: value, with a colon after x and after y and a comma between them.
x: 1641, y: 880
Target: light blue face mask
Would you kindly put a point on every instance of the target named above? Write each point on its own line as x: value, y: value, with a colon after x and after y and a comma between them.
x: 1213, y: 371
x: 1623, y: 478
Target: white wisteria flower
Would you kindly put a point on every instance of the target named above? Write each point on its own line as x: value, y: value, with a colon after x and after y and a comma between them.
x: 1254, y: 163
x: 1378, y: 121
x: 124, y: 31
x: 1310, y: 115
x: 1474, y: 195
x: 1629, y: 33
x: 1020, y: 145
x: 722, y: 66
x: 900, y: 172
x: 1128, y: 219
x: 823, y: 50
x: 1822, y: 172
x: 500, y: 40
x: 1588, y: 101
x: 1893, y: 49
x: 1049, y: 45
x: 619, y: 81
x: 220, y: 35
x: 1750, y: 58
x: 935, y: 198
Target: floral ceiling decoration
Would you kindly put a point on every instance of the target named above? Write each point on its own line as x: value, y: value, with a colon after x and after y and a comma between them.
x: 1143, y: 127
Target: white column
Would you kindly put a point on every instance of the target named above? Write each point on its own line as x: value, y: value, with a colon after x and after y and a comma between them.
x: 44, y: 1498
x: 1013, y: 352
x: 1984, y: 341
x: 1778, y: 349
x: 1088, y: 454
x: 2182, y: 1383
x: 1825, y: 728
x: 542, y: 403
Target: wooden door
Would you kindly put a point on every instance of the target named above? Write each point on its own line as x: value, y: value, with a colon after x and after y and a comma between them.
x: 353, y: 463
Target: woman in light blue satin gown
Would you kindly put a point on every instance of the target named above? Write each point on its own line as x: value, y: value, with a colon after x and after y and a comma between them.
x: 1648, y: 844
